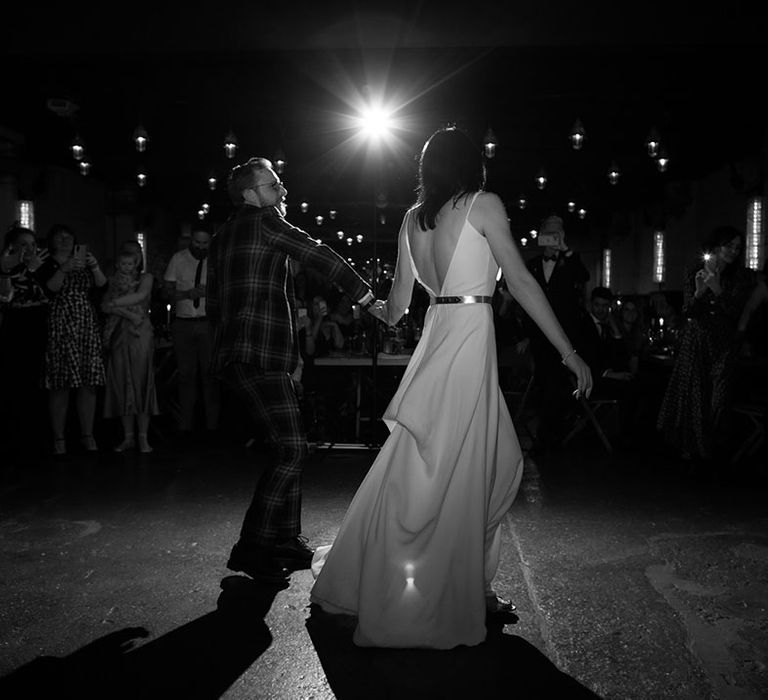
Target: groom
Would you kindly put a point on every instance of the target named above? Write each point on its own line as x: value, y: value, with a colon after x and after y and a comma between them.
x: 250, y: 305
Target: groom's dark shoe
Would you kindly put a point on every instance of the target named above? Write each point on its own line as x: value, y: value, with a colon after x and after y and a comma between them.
x: 294, y: 553
x: 259, y: 563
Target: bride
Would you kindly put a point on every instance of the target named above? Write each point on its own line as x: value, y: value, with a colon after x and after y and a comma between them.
x: 418, y: 548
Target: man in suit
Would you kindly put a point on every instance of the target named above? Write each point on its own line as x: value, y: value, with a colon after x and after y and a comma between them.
x: 561, y: 274
x: 250, y: 304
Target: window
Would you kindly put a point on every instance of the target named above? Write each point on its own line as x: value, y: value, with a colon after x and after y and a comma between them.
x: 25, y: 214
x: 755, y: 243
x: 659, y: 261
x: 606, y: 272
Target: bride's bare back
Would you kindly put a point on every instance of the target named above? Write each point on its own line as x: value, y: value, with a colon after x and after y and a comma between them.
x: 432, y: 249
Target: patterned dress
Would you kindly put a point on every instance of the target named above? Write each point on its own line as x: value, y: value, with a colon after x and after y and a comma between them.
x: 699, y: 388
x: 73, y: 356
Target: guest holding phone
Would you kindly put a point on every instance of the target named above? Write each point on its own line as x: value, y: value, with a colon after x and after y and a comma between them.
x: 73, y: 356
x: 23, y: 333
x: 715, y: 291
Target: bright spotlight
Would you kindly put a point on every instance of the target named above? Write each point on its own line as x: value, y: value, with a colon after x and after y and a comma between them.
x: 375, y: 122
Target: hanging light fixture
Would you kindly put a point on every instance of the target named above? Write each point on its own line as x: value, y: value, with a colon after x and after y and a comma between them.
x: 489, y: 144
x: 582, y: 213
x: 305, y: 207
x: 340, y: 235
x: 662, y: 161
x: 206, y: 207
x: 359, y: 237
x: 85, y: 166
x: 613, y: 173
x: 141, y: 177
x: 140, y: 138
x: 200, y: 214
x: 653, y: 142
x: 524, y: 241
x: 230, y: 144
x: 319, y: 220
x: 349, y: 241
x: 212, y: 182
x: 332, y: 214
x: 534, y: 234
x: 78, y: 148
x: 522, y: 201
x: 571, y: 206
x: 541, y: 179
x: 279, y: 162
x: 577, y: 135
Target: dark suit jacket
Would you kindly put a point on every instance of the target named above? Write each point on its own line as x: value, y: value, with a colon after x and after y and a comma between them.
x: 564, y: 292
x: 601, y: 354
x: 249, y: 291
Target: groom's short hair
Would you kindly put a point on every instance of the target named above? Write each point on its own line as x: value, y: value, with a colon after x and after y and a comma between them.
x: 243, y: 177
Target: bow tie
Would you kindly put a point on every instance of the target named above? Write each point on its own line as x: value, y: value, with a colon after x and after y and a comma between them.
x: 550, y: 258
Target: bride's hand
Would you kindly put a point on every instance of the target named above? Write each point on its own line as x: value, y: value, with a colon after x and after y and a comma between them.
x: 582, y: 373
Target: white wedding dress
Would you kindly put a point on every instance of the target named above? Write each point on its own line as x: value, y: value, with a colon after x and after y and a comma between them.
x: 419, y: 546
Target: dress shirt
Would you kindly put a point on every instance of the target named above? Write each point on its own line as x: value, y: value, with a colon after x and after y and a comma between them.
x: 181, y: 270
x: 548, y: 266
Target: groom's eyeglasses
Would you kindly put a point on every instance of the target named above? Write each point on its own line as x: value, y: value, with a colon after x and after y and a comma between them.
x: 276, y: 185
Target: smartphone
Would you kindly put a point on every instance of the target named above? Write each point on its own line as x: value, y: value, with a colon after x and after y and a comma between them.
x: 80, y: 250
x: 548, y: 240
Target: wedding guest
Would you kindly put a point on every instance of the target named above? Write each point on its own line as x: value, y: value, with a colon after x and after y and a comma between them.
x: 130, y: 376
x: 185, y: 286
x: 561, y: 274
x: 23, y: 334
x: 324, y: 336
x: 633, y: 332
x: 73, y: 356
x: 716, y: 289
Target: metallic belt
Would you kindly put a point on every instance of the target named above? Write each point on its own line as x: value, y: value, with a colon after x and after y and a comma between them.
x: 463, y: 300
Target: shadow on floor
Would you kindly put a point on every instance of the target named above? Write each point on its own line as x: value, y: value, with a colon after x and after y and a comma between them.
x: 503, y: 666
x: 200, y: 659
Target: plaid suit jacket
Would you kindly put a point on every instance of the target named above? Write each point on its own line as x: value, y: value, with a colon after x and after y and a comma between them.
x: 249, y: 288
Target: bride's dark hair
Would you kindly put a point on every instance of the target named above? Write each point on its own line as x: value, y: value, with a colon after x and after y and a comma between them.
x: 451, y: 166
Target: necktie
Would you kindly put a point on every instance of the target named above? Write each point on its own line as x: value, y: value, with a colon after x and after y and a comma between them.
x: 198, y: 273
x: 603, y: 330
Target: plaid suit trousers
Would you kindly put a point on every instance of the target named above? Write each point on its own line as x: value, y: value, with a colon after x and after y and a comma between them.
x: 275, y: 511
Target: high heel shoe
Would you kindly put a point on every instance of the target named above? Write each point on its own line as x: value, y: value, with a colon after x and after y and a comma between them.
x: 59, y: 447
x: 126, y: 444
x: 89, y: 444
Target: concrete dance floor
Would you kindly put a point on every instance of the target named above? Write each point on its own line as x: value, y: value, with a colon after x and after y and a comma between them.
x: 633, y: 579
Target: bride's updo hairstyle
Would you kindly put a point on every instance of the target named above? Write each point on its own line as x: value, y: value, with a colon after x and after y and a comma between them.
x: 451, y: 166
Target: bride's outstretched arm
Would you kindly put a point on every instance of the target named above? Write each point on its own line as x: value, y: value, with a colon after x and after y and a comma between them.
x: 402, y: 286
x: 489, y: 216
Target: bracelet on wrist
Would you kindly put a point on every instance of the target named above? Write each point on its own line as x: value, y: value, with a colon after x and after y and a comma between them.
x: 565, y: 357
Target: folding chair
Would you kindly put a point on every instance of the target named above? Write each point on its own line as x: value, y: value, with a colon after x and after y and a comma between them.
x: 588, y: 412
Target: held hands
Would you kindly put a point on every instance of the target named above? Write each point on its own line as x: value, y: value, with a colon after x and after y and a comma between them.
x: 379, y: 310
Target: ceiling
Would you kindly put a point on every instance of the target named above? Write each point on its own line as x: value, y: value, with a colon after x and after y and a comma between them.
x: 287, y: 79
